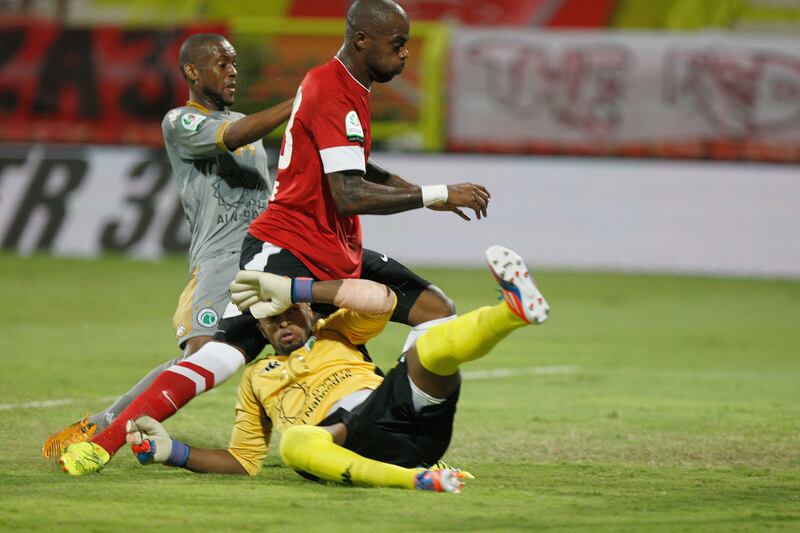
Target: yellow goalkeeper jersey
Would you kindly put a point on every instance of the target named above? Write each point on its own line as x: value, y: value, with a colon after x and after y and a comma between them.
x: 300, y: 388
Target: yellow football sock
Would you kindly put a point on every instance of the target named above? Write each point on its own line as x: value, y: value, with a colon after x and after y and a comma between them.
x: 312, y: 450
x: 446, y: 346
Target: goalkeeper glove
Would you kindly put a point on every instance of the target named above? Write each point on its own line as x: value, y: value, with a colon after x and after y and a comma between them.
x: 151, y: 443
x: 266, y: 294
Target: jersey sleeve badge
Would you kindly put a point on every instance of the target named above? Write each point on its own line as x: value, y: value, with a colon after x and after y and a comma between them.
x: 191, y: 122
x: 352, y: 127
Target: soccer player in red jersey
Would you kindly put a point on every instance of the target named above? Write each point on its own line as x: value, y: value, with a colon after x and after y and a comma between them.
x: 311, y: 226
x: 325, y: 178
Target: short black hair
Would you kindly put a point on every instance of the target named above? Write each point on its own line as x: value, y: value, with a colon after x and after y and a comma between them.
x: 365, y: 15
x: 194, y: 47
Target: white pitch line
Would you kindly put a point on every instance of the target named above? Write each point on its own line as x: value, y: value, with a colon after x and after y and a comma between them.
x: 46, y: 404
x: 35, y: 405
x: 511, y: 372
x: 496, y: 373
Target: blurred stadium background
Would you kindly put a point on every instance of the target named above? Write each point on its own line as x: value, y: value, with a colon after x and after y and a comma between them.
x: 624, y: 137
x: 690, y: 103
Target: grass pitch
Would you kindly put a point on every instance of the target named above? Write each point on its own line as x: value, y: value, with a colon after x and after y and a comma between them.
x: 645, y: 403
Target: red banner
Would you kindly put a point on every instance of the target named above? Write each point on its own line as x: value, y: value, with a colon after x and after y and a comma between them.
x: 89, y: 85
x: 546, y: 13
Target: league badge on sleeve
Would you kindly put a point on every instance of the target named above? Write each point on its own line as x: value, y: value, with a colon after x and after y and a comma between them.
x: 352, y: 127
x: 191, y: 122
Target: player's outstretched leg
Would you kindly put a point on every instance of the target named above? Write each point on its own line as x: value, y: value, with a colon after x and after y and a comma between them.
x: 446, y: 346
x: 84, y: 430
x: 211, y: 366
x: 312, y: 450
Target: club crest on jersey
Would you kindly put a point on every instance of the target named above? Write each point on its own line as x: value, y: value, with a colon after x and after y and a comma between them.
x: 352, y: 127
x: 207, y: 317
x: 310, y: 343
x: 191, y: 122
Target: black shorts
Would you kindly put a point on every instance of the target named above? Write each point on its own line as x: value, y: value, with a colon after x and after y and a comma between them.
x: 241, y: 331
x: 386, y: 428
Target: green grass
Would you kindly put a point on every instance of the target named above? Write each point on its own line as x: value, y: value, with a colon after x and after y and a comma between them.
x: 682, y: 413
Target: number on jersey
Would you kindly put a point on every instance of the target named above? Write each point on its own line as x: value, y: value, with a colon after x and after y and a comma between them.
x: 286, y: 153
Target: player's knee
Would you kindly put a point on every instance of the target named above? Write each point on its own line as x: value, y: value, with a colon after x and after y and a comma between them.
x: 291, y: 441
x: 432, y: 304
x: 296, y: 440
x: 195, y: 343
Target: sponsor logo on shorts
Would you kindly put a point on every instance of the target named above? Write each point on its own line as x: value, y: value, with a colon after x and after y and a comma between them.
x: 207, y: 317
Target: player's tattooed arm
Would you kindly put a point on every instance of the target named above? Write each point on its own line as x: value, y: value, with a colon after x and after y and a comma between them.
x: 377, y: 174
x: 462, y: 195
x: 354, y: 195
x: 255, y: 127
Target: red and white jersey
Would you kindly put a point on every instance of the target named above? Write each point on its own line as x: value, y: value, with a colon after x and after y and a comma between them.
x: 328, y: 131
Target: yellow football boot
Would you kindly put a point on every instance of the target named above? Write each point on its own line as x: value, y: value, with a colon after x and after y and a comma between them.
x: 83, y: 458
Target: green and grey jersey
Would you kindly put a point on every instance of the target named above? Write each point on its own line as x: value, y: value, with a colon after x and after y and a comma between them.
x: 221, y: 191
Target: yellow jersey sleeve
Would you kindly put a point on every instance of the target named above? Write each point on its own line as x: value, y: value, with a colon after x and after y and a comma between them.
x: 252, y: 428
x: 357, y: 328
x: 219, y: 134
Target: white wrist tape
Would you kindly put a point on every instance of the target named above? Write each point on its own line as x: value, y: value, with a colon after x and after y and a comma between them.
x: 433, y: 194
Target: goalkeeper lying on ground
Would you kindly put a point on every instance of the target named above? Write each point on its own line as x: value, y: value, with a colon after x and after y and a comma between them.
x: 338, y: 419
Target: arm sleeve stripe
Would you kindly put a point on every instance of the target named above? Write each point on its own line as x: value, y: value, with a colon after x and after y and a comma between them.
x: 219, y: 134
x: 341, y: 158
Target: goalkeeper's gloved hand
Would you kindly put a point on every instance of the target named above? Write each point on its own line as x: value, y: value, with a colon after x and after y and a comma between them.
x: 266, y: 294
x: 151, y: 443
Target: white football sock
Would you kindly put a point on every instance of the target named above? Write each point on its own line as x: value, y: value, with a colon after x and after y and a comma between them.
x: 210, y: 366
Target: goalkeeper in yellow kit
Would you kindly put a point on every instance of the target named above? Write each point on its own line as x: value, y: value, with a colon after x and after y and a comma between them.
x: 339, y: 419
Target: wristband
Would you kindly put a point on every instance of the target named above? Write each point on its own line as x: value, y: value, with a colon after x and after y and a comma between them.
x: 301, y: 290
x: 433, y: 194
x: 179, y: 455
